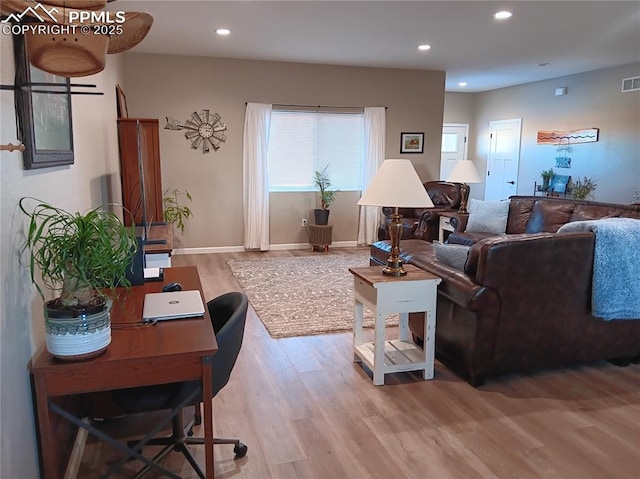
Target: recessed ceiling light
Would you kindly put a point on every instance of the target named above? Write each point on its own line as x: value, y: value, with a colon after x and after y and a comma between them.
x: 502, y: 15
x: 462, y: 83
x: 424, y: 47
x: 223, y: 31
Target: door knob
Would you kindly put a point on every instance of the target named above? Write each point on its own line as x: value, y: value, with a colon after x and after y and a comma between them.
x: 511, y: 182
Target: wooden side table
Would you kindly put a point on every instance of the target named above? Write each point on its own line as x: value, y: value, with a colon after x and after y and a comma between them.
x: 320, y: 236
x: 385, y: 295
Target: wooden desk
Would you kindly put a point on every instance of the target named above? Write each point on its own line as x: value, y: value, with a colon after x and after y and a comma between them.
x: 139, y: 355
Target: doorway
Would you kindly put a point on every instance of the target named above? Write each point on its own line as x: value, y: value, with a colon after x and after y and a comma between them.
x: 503, y: 160
x: 454, y: 147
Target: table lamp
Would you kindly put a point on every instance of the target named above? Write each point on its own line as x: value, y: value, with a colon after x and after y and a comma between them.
x: 396, y: 184
x: 465, y: 173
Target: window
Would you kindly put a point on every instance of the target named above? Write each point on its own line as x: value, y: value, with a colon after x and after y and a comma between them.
x: 302, y: 142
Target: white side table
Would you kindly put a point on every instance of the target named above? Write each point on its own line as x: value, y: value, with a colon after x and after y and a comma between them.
x: 444, y: 225
x: 385, y: 295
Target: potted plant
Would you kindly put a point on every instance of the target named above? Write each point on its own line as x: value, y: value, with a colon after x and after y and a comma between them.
x: 79, y: 255
x: 326, y: 196
x: 583, y: 188
x: 175, y: 212
x: 546, y: 178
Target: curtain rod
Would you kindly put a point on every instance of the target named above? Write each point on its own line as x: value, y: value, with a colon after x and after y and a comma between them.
x: 319, y: 106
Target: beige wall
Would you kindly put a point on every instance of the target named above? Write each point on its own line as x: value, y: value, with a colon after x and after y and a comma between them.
x: 593, y: 99
x: 459, y: 107
x: 159, y: 86
x: 94, y: 178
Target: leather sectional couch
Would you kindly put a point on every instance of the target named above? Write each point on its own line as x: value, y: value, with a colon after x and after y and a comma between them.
x: 423, y: 222
x: 523, y: 300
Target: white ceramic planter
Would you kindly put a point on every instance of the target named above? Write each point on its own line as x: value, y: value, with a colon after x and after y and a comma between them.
x: 79, y: 338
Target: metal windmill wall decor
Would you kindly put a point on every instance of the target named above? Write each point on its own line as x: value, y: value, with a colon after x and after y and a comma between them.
x: 204, y: 130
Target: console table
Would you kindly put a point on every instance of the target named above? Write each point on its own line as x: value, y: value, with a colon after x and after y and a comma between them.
x: 385, y: 295
x: 139, y: 355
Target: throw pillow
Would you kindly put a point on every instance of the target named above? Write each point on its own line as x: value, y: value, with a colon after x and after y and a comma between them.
x: 454, y: 255
x: 487, y: 216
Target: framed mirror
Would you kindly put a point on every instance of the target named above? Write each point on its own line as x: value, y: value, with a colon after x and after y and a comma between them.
x: 43, y: 105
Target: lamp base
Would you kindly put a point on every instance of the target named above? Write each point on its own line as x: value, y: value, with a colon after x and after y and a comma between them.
x: 394, y: 268
x: 394, y: 263
x: 464, y: 197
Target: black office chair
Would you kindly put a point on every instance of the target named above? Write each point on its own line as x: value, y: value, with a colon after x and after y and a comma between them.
x: 228, y: 315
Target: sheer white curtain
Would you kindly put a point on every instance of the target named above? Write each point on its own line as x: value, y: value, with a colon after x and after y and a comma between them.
x: 255, y: 181
x: 375, y: 128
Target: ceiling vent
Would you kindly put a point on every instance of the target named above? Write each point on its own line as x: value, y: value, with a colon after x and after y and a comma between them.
x: 631, y: 84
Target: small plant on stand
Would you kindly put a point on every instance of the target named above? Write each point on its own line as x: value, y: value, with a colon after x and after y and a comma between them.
x: 326, y: 196
x: 175, y: 211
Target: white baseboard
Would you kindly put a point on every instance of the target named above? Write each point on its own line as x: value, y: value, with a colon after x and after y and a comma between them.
x: 273, y: 247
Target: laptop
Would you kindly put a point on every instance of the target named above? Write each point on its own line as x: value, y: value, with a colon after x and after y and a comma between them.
x: 172, y: 305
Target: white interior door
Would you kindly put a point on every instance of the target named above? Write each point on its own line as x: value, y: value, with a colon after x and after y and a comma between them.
x: 504, y: 158
x: 454, y: 147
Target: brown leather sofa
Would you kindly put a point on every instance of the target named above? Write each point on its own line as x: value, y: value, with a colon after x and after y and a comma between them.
x: 535, y: 214
x: 523, y: 300
x: 423, y: 222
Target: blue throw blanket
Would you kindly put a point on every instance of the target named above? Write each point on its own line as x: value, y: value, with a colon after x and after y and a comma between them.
x: 616, y: 266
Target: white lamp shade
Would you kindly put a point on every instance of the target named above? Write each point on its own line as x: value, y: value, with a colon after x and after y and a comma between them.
x: 465, y: 172
x: 396, y: 184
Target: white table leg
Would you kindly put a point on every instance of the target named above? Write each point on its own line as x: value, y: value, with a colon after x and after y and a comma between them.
x: 429, y: 342
x: 358, y: 314
x: 378, y: 352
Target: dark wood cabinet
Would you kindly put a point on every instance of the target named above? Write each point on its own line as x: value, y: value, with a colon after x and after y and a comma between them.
x: 140, y: 169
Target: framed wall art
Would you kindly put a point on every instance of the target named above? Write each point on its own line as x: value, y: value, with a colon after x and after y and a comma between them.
x: 411, y: 142
x: 43, y: 103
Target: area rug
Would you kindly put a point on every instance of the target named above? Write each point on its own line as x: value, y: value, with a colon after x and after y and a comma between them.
x: 303, y: 295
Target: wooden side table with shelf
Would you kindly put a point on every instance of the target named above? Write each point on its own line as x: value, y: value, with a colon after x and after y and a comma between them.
x: 385, y: 295
x: 320, y: 236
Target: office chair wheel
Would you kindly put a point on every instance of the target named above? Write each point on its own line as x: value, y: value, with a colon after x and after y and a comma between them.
x: 240, y: 450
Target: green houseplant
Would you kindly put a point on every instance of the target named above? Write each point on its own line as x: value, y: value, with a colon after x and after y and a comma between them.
x: 583, y: 188
x: 546, y: 178
x: 175, y: 211
x: 326, y: 196
x: 78, y: 255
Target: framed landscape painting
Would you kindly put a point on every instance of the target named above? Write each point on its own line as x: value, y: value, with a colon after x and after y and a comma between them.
x: 411, y: 142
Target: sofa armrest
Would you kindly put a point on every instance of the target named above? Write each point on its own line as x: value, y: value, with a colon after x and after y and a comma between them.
x: 463, y: 290
x: 459, y: 222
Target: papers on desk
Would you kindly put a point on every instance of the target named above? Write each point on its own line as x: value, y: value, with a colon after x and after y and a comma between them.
x: 153, y: 274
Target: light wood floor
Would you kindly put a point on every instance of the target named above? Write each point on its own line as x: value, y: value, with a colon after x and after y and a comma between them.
x: 307, y: 411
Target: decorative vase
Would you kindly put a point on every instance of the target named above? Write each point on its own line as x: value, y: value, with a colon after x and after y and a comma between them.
x: 83, y: 336
x: 321, y: 216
